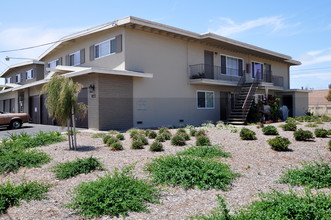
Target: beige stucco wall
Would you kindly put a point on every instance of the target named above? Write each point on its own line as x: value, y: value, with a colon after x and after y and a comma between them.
x: 300, y: 103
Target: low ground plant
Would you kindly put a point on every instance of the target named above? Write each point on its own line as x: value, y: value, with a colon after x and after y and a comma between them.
x: 278, y: 205
x: 152, y: 135
x: 329, y: 145
x: 289, y: 126
x: 202, y: 141
x: 98, y: 135
x: 193, y: 131
x: 189, y: 172
x: 140, y: 138
x: 270, y: 130
x: 116, y: 146
x: 73, y: 168
x: 111, y: 141
x: 11, y: 194
x: 311, y: 125
x: 247, y: 134
x: 156, y: 146
x: 115, y: 194
x: 322, y: 133
x: 208, y: 124
x: 178, y: 140
x: 136, y: 145
x: 313, y: 174
x: 205, y: 152
x: 307, y: 118
x: 120, y: 137
x: 303, y: 135
x: 279, y: 143
x: 201, y: 132
x: 106, y: 138
x: 160, y: 138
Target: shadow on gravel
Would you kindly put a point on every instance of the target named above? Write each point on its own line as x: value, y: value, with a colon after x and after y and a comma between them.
x: 85, y: 148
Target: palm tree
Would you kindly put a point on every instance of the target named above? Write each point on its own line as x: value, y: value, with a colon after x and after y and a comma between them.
x: 62, y: 105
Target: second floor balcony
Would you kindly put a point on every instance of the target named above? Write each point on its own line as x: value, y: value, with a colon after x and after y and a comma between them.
x: 231, y: 75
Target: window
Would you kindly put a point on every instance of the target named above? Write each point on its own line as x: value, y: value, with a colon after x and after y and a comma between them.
x: 105, y: 48
x: 29, y: 74
x: 8, y: 80
x: 18, y: 78
x: 52, y: 64
x: 231, y: 66
x: 205, y: 99
x: 257, y: 70
x: 74, y: 59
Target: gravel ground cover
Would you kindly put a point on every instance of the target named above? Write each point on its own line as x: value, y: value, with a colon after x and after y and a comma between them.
x: 260, y: 168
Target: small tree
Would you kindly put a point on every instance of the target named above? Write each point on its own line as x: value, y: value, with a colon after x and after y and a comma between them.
x: 328, y: 97
x: 62, y: 105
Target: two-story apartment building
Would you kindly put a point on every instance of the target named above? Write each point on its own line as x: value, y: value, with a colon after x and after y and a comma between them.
x: 138, y: 73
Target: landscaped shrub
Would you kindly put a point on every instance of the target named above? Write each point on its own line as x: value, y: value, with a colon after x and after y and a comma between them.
x: 246, y: 134
x: 279, y: 143
x: 11, y: 194
x: 307, y: 118
x: 193, y: 131
x: 73, y: 168
x: 201, y: 132
x: 98, y: 135
x: 184, y: 135
x: 181, y: 130
x: 270, y: 130
x: 140, y: 138
x: 152, y: 134
x: 137, y: 145
x: 202, y: 141
x: 156, y: 146
x: 208, y: 124
x: 190, y: 172
x: 116, y: 146
x: 278, y: 205
x: 326, y: 118
x: 178, y: 141
x: 313, y: 174
x: 311, y: 125
x: 165, y: 133
x: 113, y: 195
x: 134, y: 132
x: 163, y: 130
x: 329, y: 145
x: 120, y: 137
x: 106, y: 138
x: 205, y: 152
x: 323, y: 133
x: 113, y: 132
x: 302, y: 135
x: 112, y: 140
x: 160, y: 138
x: 290, y: 126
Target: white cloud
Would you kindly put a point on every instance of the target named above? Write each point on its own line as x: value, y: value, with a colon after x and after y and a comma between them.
x: 227, y: 27
x: 315, y: 57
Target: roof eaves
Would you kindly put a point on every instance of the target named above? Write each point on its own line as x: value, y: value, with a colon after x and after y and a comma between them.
x: 20, y: 65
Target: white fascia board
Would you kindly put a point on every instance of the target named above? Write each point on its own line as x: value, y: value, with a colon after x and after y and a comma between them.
x: 21, y: 64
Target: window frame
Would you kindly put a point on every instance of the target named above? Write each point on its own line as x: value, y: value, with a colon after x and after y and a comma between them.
x: 226, y: 63
x: 18, y: 78
x: 108, y: 52
x: 29, y: 72
x: 206, y: 100
x: 252, y: 69
x: 74, y: 54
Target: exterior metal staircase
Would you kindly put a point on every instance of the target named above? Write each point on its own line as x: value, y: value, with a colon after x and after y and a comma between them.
x: 244, y: 97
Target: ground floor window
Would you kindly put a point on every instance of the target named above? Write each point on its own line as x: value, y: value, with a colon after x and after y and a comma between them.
x: 205, y: 99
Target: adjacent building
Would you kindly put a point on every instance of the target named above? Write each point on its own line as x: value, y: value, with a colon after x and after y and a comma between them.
x: 318, y: 104
x: 139, y: 73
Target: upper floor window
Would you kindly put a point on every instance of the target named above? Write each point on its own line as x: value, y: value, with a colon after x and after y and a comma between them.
x: 74, y: 59
x: 18, y: 78
x: 8, y: 79
x: 205, y: 99
x: 29, y: 74
x: 105, y: 48
x: 53, y: 63
x: 231, y: 65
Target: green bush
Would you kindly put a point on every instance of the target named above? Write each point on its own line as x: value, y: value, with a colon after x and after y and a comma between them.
x: 156, y: 146
x: 311, y: 125
x: 202, y: 141
x: 11, y: 195
x: 160, y: 138
x: 278, y: 205
x: 115, y: 194
x: 178, y: 141
x: 106, y: 138
x: 246, y: 134
x: 134, y: 132
x: 137, y: 145
x: 205, y: 152
x: 112, y: 140
x: 302, y: 135
x: 98, y: 135
x: 113, y: 132
x: 326, y: 118
x: 190, y: 172
x: 307, y: 118
x: 167, y: 135
x: 152, y: 135
x: 270, y: 130
x: 163, y: 130
x: 181, y: 130
x: 116, y: 146
x: 329, y: 132
x: 290, y: 126
x: 184, y: 135
x: 120, y: 137
x: 315, y: 174
x: 193, y: 131
x: 201, y: 132
x: 140, y: 138
x: 73, y: 168
x: 323, y: 133
x: 279, y: 143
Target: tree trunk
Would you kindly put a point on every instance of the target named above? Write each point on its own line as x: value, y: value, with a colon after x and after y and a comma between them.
x: 74, y: 129
x: 69, y: 133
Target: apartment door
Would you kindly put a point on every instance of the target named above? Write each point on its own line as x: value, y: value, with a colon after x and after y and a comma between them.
x: 288, y: 101
x: 224, y: 105
x: 82, y: 121
x: 34, y: 108
x: 45, y: 119
x: 20, y: 102
x: 209, y: 64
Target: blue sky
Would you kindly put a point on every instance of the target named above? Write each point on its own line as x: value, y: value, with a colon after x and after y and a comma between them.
x: 300, y: 29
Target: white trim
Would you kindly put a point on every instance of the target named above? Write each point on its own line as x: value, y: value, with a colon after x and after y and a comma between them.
x: 226, y: 61
x: 21, y: 64
x: 109, y: 52
x: 197, y: 99
x: 74, y: 54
